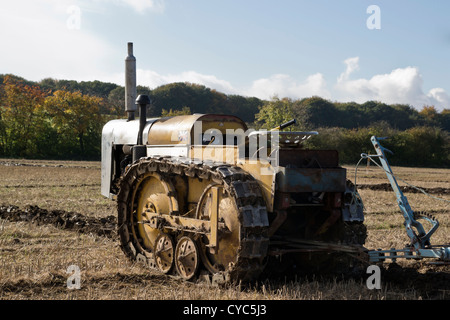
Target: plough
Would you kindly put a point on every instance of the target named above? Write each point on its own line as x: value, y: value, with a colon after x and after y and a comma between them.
x: 420, y: 246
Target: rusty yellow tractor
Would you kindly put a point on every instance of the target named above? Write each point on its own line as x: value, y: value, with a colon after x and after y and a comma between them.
x: 203, y: 195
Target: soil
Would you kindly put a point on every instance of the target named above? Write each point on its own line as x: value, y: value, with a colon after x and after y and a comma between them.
x: 405, y: 189
x: 428, y: 281
x: 66, y: 220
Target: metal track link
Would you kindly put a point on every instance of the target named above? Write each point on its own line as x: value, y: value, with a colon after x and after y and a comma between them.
x: 253, y: 217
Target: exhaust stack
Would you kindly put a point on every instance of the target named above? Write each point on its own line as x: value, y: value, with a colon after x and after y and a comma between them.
x: 140, y: 149
x: 143, y: 100
x: 130, y: 83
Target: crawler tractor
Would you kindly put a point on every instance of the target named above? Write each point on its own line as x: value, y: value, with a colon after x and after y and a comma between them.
x: 187, y: 200
x: 203, y: 195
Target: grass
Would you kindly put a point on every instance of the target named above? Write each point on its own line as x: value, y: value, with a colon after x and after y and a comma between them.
x: 34, y: 258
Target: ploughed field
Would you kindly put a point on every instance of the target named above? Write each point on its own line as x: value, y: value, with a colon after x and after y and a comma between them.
x: 53, y: 217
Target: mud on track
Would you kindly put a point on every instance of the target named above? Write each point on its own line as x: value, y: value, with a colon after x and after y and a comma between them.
x: 62, y: 219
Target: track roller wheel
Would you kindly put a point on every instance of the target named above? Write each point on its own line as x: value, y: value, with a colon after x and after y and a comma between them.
x: 164, y: 252
x: 187, y: 258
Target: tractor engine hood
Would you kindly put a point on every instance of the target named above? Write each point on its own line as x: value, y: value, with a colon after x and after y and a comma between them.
x: 124, y: 132
x: 118, y: 132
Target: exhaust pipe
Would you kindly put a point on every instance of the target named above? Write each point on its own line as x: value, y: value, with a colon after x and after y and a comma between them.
x: 143, y: 100
x: 140, y: 149
x: 130, y: 83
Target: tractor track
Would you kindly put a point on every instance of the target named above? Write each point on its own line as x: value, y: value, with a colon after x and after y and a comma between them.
x: 253, y: 216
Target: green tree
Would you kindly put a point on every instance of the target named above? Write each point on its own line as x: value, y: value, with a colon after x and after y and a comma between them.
x: 422, y: 146
x: 444, y: 119
x: 76, y: 118
x: 243, y: 107
x: 317, y: 112
x: 274, y: 113
x: 172, y: 113
x: 115, y: 104
x: 200, y: 99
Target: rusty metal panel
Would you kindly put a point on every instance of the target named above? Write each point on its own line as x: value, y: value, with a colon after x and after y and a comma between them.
x: 175, y: 130
x: 181, y: 129
x: 311, y: 180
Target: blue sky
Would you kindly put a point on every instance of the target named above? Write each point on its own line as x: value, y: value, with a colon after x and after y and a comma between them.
x: 288, y: 48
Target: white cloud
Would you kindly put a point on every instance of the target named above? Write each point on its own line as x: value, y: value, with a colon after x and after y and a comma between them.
x: 140, y: 6
x: 439, y: 97
x: 152, y: 79
x: 277, y: 85
x: 38, y: 43
x: 143, y: 5
x: 352, y: 66
x: 402, y: 85
x: 50, y: 38
x: 283, y: 85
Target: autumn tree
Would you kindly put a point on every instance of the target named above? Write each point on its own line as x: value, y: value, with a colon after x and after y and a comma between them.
x: 21, y: 121
x: 430, y: 115
x: 76, y: 118
x: 172, y: 113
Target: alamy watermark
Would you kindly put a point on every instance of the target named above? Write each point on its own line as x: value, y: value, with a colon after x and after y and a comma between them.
x: 73, y: 22
x: 74, y: 280
x: 374, y: 20
x: 260, y: 145
x: 225, y: 145
x: 374, y: 280
x: 236, y: 145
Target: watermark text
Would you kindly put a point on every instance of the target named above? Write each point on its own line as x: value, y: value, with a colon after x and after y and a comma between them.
x: 374, y: 20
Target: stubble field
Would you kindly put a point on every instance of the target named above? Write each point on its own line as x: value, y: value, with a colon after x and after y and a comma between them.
x: 52, y: 216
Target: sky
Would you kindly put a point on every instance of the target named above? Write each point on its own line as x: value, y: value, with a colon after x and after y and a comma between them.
x: 342, y: 50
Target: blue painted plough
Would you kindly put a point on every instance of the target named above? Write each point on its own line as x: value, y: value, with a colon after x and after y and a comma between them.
x: 420, y: 246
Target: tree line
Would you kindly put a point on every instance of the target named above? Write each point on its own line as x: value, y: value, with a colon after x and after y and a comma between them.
x: 38, y: 123
x: 63, y: 119
x: 316, y: 112
x: 417, y: 138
